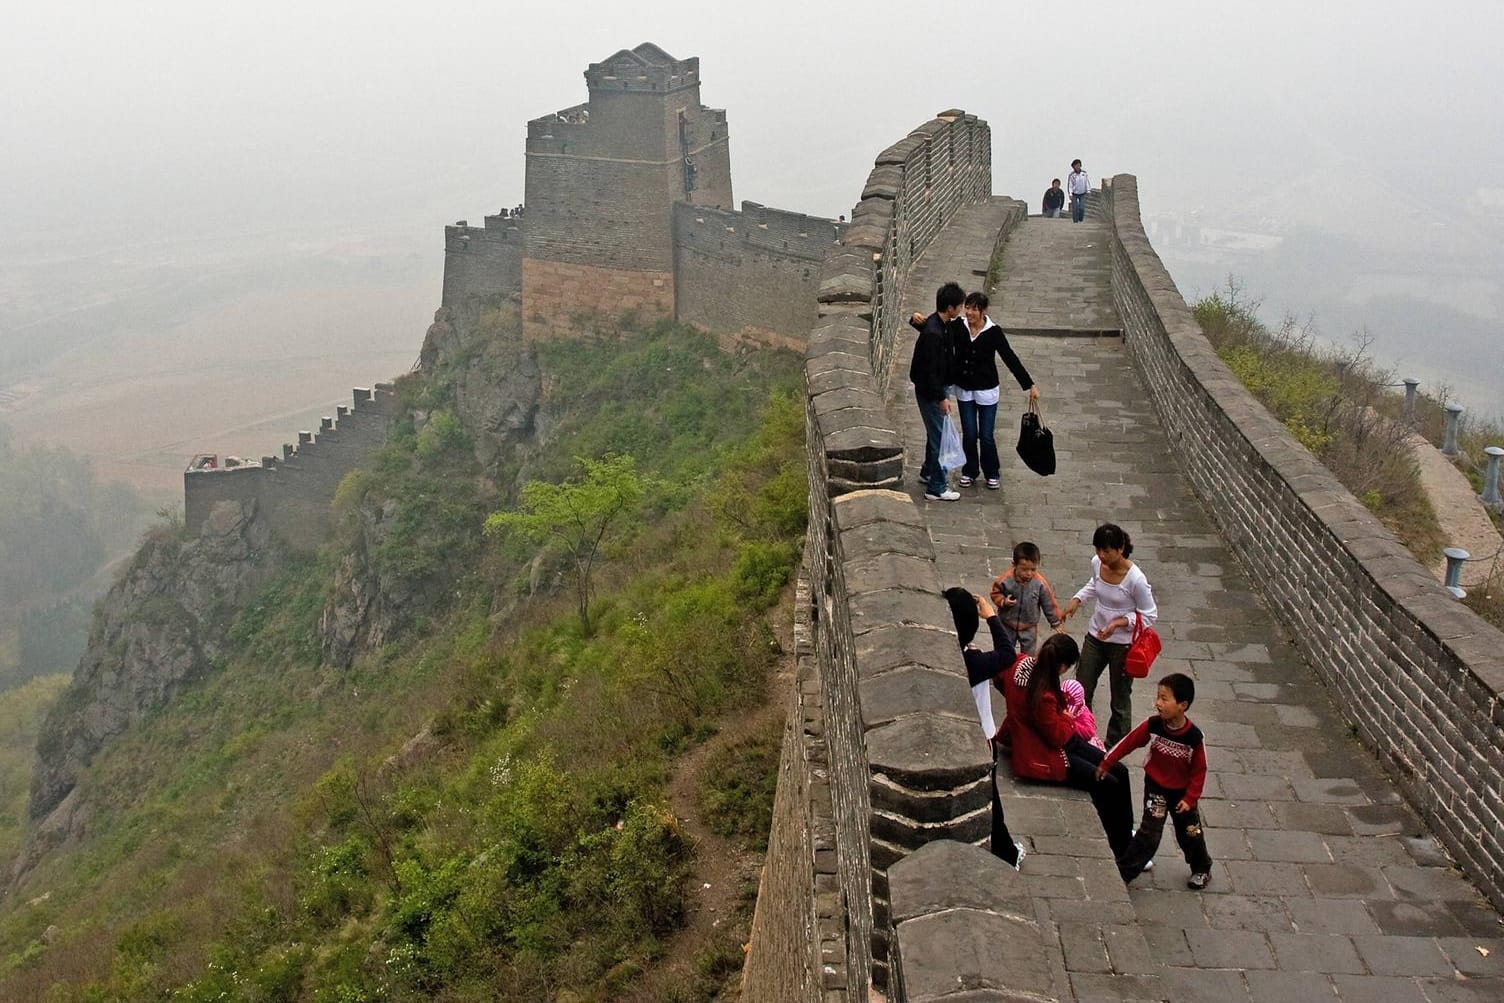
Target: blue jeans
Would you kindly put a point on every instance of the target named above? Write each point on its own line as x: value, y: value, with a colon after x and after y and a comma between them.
x: 931, y: 472
x: 978, y: 422
x: 1078, y: 207
x: 1052, y: 213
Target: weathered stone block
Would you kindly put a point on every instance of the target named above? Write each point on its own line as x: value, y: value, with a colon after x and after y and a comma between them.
x: 929, y: 752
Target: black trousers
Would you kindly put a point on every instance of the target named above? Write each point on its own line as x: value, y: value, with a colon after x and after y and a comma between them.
x: 1002, y: 840
x: 1159, y: 802
x: 1112, y: 796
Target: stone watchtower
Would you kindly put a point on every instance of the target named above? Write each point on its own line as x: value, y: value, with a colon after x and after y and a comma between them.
x: 602, y: 181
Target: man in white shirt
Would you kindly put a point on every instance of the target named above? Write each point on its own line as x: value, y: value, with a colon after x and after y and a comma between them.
x: 1077, y: 184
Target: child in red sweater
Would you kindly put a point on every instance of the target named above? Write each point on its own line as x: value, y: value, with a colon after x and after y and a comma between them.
x: 1173, y: 777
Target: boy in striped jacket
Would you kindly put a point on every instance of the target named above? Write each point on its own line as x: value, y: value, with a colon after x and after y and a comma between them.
x: 1174, y: 774
x: 1021, y: 594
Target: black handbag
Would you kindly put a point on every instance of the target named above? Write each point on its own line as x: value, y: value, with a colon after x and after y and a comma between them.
x: 1036, y: 444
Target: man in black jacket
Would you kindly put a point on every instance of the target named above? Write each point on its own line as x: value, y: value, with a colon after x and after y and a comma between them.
x: 930, y: 372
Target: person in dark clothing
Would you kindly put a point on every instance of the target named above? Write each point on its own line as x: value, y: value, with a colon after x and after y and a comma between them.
x: 929, y: 371
x: 1054, y: 199
x: 978, y: 390
x: 981, y: 668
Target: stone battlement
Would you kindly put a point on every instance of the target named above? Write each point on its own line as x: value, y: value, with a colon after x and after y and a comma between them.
x: 294, y: 490
x: 644, y: 68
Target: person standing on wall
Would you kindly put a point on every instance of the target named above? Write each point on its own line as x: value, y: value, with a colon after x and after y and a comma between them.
x: 930, y: 372
x: 978, y: 389
x: 1123, y: 598
x: 1078, y: 184
x: 1054, y: 200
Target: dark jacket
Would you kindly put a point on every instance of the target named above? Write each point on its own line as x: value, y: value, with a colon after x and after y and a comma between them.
x: 973, y: 367
x: 1054, y: 198
x: 929, y: 370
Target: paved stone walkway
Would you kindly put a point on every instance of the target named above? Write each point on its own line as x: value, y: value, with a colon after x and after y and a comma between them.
x: 1464, y: 521
x: 1055, y: 279
x: 1326, y: 886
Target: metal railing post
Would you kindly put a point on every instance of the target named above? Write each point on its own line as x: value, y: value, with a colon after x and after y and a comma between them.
x: 1410, y: 387
x: 1449, y: 443
x: 1491, y: 496
x: 1453, y: 583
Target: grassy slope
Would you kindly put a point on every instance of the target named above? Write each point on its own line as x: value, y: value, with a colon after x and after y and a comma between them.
x: 249, y: 844
x: 21, y: 713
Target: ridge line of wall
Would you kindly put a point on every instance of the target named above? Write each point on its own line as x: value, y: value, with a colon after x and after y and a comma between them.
x: 1417, y: 673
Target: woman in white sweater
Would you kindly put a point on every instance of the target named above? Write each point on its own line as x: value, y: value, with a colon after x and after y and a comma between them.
x: 1123, y: 598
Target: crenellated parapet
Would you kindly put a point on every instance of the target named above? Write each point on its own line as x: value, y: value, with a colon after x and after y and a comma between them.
x: 293, y: 491
x: 751, y: 275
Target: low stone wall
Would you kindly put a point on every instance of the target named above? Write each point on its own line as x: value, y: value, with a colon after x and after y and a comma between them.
x: 1419, y: 675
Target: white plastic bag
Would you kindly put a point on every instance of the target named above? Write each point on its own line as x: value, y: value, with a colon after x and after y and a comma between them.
x: 952, y: 455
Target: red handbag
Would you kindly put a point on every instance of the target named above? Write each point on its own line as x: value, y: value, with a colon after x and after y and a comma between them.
x: 1142, y: 650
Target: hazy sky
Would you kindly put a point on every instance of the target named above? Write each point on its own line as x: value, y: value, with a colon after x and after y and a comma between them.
x: 136, y: 124
x: 230, y: 113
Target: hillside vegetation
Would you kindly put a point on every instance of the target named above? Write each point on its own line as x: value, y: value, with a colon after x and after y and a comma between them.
x: 475, y: 808
x: 1335, y: 403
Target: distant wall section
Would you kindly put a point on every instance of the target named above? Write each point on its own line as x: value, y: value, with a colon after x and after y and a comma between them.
x: 295, y: 489
x: 752, y: 275
x: 482, y: 261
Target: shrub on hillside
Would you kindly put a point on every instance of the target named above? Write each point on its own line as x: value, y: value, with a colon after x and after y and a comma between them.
x: 1335, y: 402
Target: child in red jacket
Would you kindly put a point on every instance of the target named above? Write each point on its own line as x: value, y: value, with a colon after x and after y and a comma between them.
x: 1173, y: 777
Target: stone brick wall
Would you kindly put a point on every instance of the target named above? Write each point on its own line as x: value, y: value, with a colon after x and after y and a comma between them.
x: 798, y: 945
x: 482, y: 261
x: 753, y: 274
x: 554, y: 292
x: 294, y: 490
x: 904, y: 761
x: 1418, y: 674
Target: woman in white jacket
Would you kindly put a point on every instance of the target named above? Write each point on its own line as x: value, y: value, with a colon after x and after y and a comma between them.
x: 1123, y: 599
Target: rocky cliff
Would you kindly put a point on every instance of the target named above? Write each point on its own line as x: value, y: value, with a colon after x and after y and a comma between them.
x: 165, y: 623
x: 161, y: 626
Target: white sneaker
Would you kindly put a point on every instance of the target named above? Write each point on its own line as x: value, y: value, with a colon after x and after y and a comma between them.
x: 943, y: 496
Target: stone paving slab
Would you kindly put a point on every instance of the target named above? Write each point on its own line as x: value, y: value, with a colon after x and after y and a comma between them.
x: 1054, y: 279
x: 1326, y: 885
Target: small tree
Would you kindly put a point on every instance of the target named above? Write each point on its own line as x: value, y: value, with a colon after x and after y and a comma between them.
x: 578, y: 517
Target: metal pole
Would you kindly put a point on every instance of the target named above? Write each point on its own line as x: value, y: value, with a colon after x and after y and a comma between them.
x: 1491, y: 496
x: 1449, y: 444
x: 1453, y: 582
x: 1410, y: 385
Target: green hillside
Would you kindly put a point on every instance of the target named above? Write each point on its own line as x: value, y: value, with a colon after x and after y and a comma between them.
x: 476, y: 809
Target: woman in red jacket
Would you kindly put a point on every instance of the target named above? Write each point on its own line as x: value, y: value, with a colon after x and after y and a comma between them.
x: 1044, y: 742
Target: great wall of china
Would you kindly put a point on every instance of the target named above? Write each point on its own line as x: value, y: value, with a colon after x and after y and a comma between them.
x: 1328, y: 879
